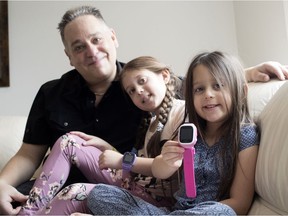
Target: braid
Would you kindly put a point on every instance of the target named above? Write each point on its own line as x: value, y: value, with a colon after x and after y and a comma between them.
x: 142, y: 129
x: 155, y: 144
x: 154, y: 147
x: 153, y: 65
x: 167, y: 102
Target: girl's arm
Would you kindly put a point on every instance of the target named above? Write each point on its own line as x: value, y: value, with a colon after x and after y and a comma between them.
x: 242, y: 190
x: 143, y: 166
x: 166, y: 164
x: 112, y: 159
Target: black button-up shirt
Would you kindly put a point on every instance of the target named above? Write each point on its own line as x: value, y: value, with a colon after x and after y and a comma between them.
x: 67, y: 104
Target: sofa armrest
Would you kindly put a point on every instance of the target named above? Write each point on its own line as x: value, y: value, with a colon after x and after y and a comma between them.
x: 11, y: 135
x: 259, y: 94
x: 272, y: 163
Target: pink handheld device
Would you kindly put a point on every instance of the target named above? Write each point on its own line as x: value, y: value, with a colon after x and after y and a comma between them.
x: 187, y: 136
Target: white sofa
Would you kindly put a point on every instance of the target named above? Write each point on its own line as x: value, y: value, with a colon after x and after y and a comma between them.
x: 269, y: 107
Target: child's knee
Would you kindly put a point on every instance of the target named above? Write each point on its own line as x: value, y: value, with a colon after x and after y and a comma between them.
x: 68, y: 140
x: 73, y: 191
x: 99, y: 192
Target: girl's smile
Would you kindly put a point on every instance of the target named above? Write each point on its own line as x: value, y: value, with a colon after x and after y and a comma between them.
x: 211, y: 99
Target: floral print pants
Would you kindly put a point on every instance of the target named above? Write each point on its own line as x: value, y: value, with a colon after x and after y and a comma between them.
x: 45, y: 197
x: 67, y: 151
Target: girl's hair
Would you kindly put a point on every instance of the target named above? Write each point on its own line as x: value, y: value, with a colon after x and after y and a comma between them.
x: 72, y: 14
x: 152, y: 64
x: 228, y: 71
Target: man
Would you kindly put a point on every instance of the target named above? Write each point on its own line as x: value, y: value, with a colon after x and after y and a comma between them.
x: 88, y: 99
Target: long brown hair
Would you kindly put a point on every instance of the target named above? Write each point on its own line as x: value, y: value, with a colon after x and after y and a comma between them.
x: 222, y: 67
x: 152, y: 64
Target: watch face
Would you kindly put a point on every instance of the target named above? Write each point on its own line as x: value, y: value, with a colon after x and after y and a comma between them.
x: 128, y: 158
x: 186, y: 134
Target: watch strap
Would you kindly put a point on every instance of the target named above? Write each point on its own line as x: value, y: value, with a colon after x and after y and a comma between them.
x: 189, y: 175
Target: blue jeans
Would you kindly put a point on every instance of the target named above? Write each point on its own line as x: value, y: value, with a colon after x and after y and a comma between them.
x: 112, y: 200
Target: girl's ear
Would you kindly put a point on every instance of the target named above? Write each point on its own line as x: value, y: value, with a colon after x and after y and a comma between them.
x: 166, y: 75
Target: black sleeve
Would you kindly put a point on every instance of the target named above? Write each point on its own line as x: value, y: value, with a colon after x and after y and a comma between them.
x: 37, y: 129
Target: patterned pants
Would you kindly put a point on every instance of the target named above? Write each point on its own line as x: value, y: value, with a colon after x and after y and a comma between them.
x: 111, y: 200
x: 45, y: 198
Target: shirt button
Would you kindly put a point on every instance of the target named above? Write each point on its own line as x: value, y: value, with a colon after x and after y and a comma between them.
x: 65, y: 124
x: 91, y: 101
x: 97, y: 120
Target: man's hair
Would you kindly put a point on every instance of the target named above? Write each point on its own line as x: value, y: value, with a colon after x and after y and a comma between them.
x: 73, y: 13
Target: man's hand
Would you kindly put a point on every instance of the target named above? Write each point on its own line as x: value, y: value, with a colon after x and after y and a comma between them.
x: 9, y: 194
x: 93, y: 141
x: 265, y: 71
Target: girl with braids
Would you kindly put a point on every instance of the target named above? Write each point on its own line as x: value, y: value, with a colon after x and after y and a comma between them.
x: 151, y: 86
x: 226, y: 148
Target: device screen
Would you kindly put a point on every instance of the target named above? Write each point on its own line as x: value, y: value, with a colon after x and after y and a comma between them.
x: 186, y: 134
x: 128, y: 158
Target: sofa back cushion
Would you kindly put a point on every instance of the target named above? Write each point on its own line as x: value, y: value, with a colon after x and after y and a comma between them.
x: 272, y: 163
x: 11, y: 135
x: 259, y: 94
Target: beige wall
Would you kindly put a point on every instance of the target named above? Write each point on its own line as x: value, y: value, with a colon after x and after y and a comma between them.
x: 262, y: 31
x: 172, y: 31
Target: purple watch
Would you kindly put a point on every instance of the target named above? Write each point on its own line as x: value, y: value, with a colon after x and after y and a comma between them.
x: 128, y: 160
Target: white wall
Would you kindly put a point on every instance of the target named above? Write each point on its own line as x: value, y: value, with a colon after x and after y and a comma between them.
x: 262, y: 31
x: 173, y: 31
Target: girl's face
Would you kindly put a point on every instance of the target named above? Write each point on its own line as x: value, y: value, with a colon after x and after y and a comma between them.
x: 147, y: 89
x: 212, y: 101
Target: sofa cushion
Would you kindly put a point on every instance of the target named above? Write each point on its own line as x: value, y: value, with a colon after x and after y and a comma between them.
x: 11, y: 134
x: 259, y: 95
x: 272, y: 163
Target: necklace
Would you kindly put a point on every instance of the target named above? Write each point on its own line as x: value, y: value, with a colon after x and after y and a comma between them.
x: 99, y: 94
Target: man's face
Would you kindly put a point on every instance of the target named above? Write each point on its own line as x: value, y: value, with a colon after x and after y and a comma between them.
x: 91, y: 47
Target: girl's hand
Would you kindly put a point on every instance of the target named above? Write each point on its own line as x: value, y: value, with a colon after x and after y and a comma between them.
x: 93, y: 141
x: 172, y: 154
x: 110, y: 159
x: 169, y: 161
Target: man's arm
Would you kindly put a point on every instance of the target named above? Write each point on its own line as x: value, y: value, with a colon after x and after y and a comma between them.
x: 265, y: 71
x: 19, y: 169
